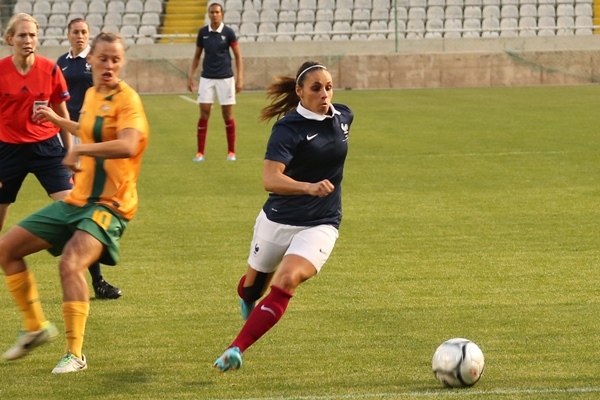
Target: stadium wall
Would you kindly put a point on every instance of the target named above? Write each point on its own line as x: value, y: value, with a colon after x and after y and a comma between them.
x: 420, y: 63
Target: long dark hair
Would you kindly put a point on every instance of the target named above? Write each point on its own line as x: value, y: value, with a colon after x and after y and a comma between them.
x: 282, y: 92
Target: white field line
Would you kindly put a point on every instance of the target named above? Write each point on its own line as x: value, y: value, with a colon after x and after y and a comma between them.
x: 461, y: 393
x: 188, y: 99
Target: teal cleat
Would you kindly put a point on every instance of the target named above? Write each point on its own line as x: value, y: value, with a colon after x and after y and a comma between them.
x: 231, y: 359
x: 246, y: 309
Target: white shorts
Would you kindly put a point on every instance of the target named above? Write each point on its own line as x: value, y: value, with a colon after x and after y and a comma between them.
x: 272, y: 241
x: 223, y: 88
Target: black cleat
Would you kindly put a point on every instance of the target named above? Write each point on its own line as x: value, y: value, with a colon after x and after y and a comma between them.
x: 104, y: 290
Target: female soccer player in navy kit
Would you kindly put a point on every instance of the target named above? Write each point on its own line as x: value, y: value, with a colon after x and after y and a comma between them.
x: 297, y: 228
x: 78, y: 74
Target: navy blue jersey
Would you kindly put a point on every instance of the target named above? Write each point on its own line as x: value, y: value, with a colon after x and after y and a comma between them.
x: 313, y: 147
x: 215, y: 44
x: 78, y: 74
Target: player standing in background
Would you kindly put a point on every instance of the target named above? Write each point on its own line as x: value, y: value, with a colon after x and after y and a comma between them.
x: 78, y: 74
x: 27, y: 81
x: 86, y: 226
x: 217, y: 77
x: 297, y: 228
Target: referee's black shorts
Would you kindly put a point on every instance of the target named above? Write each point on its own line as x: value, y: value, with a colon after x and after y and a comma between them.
x: 43, y: 159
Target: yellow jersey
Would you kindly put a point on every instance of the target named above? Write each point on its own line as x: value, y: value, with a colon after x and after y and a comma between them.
x: 111, y: 182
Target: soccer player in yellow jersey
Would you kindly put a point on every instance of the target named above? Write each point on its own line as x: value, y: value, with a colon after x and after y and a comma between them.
x: 87, y: 225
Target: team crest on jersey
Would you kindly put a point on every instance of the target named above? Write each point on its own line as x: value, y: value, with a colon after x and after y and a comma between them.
x: 345, y: 130
x: 104, y: 108
x: 223, y: 37
x: 88, y: 68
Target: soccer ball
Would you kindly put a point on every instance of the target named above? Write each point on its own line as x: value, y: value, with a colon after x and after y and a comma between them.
x: 458, y: 363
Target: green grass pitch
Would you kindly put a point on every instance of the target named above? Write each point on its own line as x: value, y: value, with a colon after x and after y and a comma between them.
x: 467, y: 213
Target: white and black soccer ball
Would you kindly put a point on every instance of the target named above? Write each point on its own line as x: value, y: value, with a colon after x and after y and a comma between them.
x: 458, y: 363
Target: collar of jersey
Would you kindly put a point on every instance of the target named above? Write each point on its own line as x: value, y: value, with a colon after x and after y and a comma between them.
x: 306, y: 113
x: 219, y: 29
x: 83, y: 54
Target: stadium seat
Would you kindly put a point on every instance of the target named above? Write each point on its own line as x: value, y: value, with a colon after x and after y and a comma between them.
x: 400, y: 13
x: 233, y: 5
x: 565, y: 10
x: 304, y: 27
x: 399, y: 30
x: 472, y: 12
x: 324, y: 15
x: 344, y: 4
x: 131, y: 19
x: 341, y: 30
x: 359, y: 30
x: 23, y: 7
x: 490, y: 11
x: 42, y: 20
x: 415, y: 28
x: 472, y: 27
x: 509, y: 11
x: 144, y: 40
x: 546, y: 26
x: 490, y: 27
x: 528, y: 10
x: 509, y: 27
x: 583, y: 25
x: 491, y: 3
x: 323, y: 27
x: 79, y: 6
x: 97, y: 6
x: 378, y: 30
x: 55, y: 32
x: 110, y: 28
x: 583, y: 10
x: 266, y: 31
x: 454, y: 12
x: 42, y: 7
x: 434, y: 28
x: 115, y: 6
x: 361, y: 14
x: 435, y: 12
x: 232, y: 17
x: 381, y: 4
x: 326, y: 5
x: 534, y: 2
x: 565, y: 25
x: 57, y: 20
x: 527, y: 26
x: 270, y: 5
x: 307, y: 5
x: 287, y: 16
x: 147, y: 30
x: 289, y: 5
x: 51, y: 42
x: 111, y: 18
x: 417, y: 3
x: 380, y: 14
x: 151, y: 18
x: 134, y: 7
x: 248, y: 28
x: 436, y: 3
x: 417, y: 13
x: 129, y: 33
x: 153, y: 6
x: 452, y: 28
x: 365, y: 4
x: 342, y: 14
x: 60, y: 7
x: 266, y: 15
x: 73, y: 16
x: 254, y: 16
x: 305, y: 15
x: 546, y: 10
x: 302, y: 38
x: 474, y: 3
x: 284, y: 38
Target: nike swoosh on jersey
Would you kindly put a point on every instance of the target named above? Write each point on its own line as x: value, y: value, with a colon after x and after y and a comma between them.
x: 311, y: 137
x: 65, y: 67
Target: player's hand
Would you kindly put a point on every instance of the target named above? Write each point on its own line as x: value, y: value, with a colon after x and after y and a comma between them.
x: 191, y: 85
x: 321, y: 189
x: 71, y: 161
x: 43, y: 114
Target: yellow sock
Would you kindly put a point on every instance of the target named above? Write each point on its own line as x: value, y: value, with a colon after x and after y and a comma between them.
x: 24, y: 291
x: 75, y: 314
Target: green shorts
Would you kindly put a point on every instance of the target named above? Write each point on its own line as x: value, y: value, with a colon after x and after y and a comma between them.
x: 57, y: 222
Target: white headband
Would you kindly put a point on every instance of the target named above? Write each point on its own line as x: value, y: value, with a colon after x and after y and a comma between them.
x: 311, y: 67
